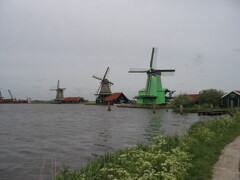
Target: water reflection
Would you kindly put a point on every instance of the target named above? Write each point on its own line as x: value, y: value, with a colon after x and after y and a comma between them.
x: 155, y: 125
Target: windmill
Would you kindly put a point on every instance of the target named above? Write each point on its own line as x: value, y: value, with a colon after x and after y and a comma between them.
x: 59, y: 96
x: 13, y: 99
x: 104, y: 88
x: 1, y: 97
x: 153, y: 93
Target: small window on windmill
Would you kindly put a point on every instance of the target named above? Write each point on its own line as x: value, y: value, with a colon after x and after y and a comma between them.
x: 233, y: 95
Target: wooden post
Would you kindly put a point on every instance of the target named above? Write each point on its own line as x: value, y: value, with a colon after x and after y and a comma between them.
x: 109, y: 107
x: 154, y: 108
x: 181, y: 109
x: 231, y: 107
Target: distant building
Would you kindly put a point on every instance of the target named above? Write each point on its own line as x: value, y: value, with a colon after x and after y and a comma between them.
x: 73, y: 100
x: 194, y: 97
x: 231, y: 99
x: 117, y: 98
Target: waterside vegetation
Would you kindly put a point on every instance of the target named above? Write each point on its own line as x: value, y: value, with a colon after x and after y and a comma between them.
x: 189, y: 157
x: 210, y: 99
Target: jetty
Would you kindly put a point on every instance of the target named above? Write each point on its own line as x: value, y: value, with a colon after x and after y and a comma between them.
x: 212, y: 112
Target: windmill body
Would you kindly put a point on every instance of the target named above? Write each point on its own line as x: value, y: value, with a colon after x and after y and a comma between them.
x: 154, y: 93
x: 1, y: 97
x: 104, y: 88
x: 59, y: 96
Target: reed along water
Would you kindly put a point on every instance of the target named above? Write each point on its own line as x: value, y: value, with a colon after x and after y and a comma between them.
x: 37, y: 139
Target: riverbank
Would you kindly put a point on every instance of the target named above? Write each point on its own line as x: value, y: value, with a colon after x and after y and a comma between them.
x: 200, y: 109
x: 189, y: 157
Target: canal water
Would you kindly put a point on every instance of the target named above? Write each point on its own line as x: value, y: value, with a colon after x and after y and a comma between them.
x: 37, y: 139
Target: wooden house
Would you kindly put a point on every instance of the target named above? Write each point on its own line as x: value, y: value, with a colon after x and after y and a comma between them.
x: 231, y: 99
x: 73, y: 100
x: 117, y: 98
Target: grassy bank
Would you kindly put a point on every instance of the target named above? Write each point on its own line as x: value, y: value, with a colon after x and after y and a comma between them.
x: 196, y: 109
x: 168, y: 158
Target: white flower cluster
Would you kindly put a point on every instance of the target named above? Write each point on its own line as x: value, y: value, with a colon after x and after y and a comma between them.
x: 151, y: 163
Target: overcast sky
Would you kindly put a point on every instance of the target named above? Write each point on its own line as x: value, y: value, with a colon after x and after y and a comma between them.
x: 42, y: 41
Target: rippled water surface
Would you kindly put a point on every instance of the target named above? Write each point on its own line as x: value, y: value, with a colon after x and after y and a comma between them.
x: 36, y: 139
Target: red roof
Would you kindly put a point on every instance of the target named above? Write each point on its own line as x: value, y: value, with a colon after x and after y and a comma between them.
x: 113, y: 96
x: 237, y: 92
x: 193, y: 96
x: 72, y: 98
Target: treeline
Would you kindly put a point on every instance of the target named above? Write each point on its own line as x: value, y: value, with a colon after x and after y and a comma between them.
x: 207, y: 98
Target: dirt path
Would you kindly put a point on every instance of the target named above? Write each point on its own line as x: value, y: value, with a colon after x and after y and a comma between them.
x: 228, y: 165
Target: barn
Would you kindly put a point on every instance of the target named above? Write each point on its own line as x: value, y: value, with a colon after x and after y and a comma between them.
x: 117, y: 98
x: 73, y: 100
x: 231, y: 99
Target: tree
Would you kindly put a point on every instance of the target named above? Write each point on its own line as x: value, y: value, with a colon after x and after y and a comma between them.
x: 182, y: 99
x: 211, y: 97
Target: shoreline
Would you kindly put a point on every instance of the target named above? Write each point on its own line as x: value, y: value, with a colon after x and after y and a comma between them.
x: 195, y: 155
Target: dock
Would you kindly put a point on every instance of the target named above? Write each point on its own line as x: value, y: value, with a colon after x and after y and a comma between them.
x: 212, y: 112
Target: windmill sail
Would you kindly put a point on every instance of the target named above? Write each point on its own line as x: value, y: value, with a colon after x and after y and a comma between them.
x: 105, y: 75
x: 104, y: 87
x: 138, y: 70
x: 153, y: 62
x: 97, y: 77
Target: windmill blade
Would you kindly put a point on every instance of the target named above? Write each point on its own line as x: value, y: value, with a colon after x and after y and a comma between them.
x: 99, y: 88
x: 168, y: 73
x: 58, y: 84
x: 138, y: 70
x: 148, y: 85
x: 53, y: 89
x: 111, y: 83
x: 153, y: 61
x: 106, y: 73
x: 97, y: 77
x: 164, y: 70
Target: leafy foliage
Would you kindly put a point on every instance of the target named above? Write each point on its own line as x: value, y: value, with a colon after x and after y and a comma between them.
x: 182, y: 99
x: 211, y: 97
x: 160, y: 160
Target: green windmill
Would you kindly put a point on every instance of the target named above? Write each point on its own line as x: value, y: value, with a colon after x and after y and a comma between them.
x: 154, y: 93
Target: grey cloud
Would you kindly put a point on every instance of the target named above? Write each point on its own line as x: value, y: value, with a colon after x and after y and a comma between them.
x: 45, y: 41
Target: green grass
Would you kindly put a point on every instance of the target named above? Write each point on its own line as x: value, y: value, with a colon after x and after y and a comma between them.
x: 190, y: 157
x: 196, y: 109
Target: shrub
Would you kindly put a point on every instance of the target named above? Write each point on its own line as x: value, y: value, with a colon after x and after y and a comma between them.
x: 211, y: 97
x: 182, y: 99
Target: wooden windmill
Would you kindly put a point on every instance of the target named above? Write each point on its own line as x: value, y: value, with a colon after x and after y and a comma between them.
x: 1, y: 97
x: 153, y: 93
x: 59, y: 96
x: 104, y: 88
